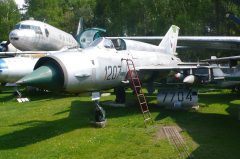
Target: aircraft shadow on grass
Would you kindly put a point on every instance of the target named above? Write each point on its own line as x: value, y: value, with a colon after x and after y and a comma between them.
x: 10, y: 95
x: 40, y: 130
x: 217, y: 135
x: 7, y: 98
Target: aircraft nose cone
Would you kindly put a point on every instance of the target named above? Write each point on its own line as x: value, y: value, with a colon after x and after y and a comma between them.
x: 23, y: 39
x: 14, y: 35
x: 47, y: 76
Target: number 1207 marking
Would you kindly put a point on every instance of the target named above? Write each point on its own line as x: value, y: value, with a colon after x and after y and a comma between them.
x: 112, y: 72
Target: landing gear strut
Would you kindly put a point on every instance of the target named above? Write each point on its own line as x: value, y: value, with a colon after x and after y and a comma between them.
x: 120, y: 95
x: 100, y: 115
x: 19, y: 97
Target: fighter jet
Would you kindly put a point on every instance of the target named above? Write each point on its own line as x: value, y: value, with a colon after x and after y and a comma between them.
x: 231, y: 72
x: 103, y: 65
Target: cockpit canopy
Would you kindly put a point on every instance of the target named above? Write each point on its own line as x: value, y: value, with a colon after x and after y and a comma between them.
x: 37, y: 29
x: 117, y: 44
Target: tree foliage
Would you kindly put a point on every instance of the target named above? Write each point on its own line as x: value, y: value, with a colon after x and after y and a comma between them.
x: 63, y: 14
x: 124, y: 17
x: 135, y: 17
x: 9, y: 16
x: 144, y: 17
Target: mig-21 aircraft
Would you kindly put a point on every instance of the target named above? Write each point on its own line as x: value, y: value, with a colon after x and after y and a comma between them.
x: 103, y: 65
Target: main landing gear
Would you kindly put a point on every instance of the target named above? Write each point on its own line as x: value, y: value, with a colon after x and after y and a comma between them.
x: 100, y: 115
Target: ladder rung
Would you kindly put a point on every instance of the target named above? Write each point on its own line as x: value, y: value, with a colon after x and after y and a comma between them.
x: 143, y: 103
x: 141, y: 95
x: 137, y: 84
x: 137, y: 81
x: 146, y: 111
x: 131, y: 73
x: 147, y: 119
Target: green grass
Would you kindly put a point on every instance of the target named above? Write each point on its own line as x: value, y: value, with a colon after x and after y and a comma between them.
x: 58, y: 126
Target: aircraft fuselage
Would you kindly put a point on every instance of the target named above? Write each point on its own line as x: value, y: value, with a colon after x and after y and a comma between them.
x: 95, y: 68
x: 12, y: 69
x: 32, y: 35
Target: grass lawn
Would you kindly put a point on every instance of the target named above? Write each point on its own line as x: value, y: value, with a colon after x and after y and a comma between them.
x: 58, y: 126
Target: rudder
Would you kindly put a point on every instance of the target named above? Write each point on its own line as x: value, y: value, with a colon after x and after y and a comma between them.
x: 169, y: 41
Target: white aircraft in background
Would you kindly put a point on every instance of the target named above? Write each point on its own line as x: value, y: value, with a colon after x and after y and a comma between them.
x: 32, y: 35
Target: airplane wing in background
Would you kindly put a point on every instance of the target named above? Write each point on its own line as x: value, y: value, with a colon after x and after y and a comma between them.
x: 210, y: 42
x: 201, y: 42
x: 223, y: 59
x: 231, y: 60
x: 35, y: 53
x: 159, y: 68
x: 13, y: 54
x: 181, y: 66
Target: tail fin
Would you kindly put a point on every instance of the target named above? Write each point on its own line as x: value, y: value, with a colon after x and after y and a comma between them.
x: 169, y: 41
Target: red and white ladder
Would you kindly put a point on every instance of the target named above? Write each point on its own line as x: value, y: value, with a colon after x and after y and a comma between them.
x: 132, y: 74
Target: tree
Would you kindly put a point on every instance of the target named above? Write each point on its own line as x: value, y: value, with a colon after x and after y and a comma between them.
x: 63, y: 14
x: 49, y: 11
x: 9, y: 16
x: 73, y: 10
